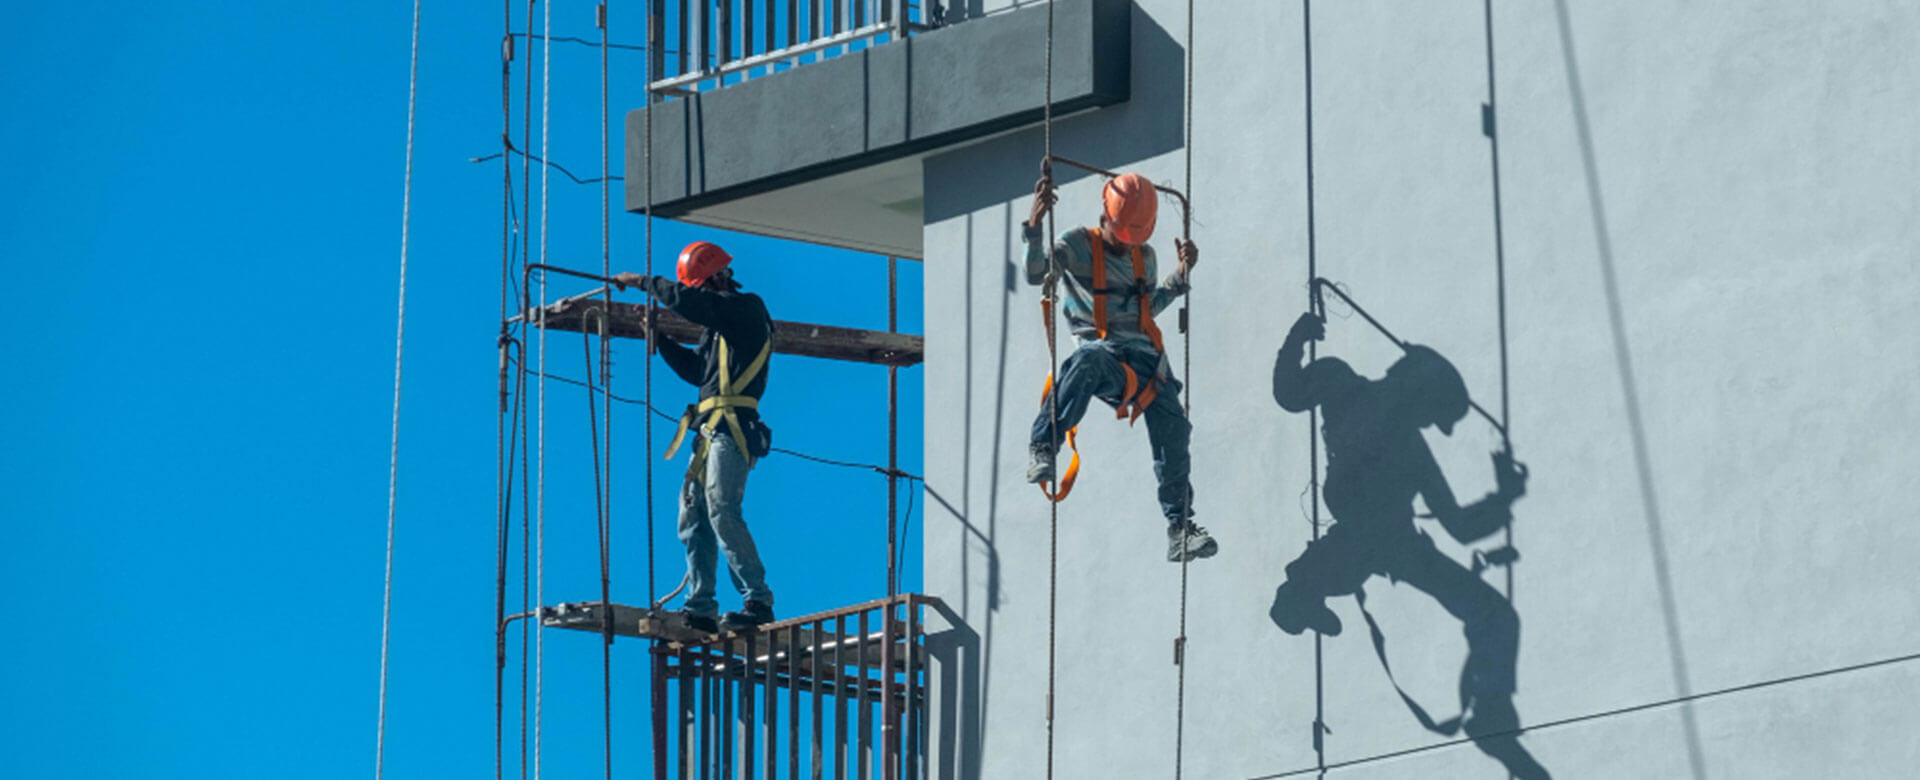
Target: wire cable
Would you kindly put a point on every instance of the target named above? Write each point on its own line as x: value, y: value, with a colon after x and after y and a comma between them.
x: 399, y: 350
x: 541, y: 158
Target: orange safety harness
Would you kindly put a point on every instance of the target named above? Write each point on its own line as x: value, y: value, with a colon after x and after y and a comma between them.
x: 1138, y: 395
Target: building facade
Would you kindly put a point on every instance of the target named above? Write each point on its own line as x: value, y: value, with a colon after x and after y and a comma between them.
x: 1671, y: 246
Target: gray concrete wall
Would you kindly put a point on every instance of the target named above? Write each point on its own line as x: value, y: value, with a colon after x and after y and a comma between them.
x: 1710, y: 257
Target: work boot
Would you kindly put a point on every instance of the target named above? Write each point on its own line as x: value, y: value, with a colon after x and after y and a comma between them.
x: 1040, y: 467
x: 1187, y: 541
x: 698, y: 622
x: 752, y: 614
x: 1295, y: 612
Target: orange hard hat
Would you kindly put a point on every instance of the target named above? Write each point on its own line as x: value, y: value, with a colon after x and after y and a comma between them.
x: 700, y: 260
x: 1132, y: 206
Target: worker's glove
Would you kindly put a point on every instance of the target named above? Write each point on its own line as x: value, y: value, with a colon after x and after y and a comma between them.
x: 1188, y: 253
x: 627, y: 279
x: 1509, y: 475
x: 1310, y: 327
x: 1043, y: 200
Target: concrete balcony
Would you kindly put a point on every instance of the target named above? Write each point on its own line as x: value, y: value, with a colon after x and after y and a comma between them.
x: 830, y: 152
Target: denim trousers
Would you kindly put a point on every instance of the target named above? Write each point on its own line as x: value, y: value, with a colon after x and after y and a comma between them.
x: 710, y: 513
x: 1094, y: 371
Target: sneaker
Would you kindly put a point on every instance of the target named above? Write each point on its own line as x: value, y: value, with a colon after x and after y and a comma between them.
x: 705, y: 624
x: 752, y: 614
x: 1295, y: 613
x: 1040, y: 467
x: 1187, y: 541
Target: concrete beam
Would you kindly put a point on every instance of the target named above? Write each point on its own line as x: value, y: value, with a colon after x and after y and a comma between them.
x: 867, y: 108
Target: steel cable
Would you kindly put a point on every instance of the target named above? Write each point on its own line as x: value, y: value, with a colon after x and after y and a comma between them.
x: 399, y: 350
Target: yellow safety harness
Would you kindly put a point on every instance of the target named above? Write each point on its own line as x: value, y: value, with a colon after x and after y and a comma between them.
x: 720, y: 407
x: 1138, y: 395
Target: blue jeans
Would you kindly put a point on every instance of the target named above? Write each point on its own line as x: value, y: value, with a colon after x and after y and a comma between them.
x: 710, y: 511
x: 1093, y: 371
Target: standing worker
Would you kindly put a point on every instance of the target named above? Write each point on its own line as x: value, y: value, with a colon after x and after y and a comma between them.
x: 1120, y: 358
x: 730, y: 368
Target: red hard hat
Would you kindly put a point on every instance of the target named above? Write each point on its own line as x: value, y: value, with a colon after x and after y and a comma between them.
x: 700, y: 260
x: 1132, y: 206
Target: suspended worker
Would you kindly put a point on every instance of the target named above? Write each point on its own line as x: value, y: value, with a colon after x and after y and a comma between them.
x: 1377, y: 462
x: 730, y: 368
x: 1113, y: 292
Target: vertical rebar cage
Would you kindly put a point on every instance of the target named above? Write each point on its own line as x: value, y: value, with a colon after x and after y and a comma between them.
x: 805, y: 697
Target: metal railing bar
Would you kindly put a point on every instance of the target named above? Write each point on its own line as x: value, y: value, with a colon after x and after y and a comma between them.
x: 729, y: 66
x: 839, y: 702
x: 818, y: 711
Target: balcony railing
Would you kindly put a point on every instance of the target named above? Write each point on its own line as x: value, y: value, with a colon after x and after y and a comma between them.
x: 837, y: 694
x: 701, y: 44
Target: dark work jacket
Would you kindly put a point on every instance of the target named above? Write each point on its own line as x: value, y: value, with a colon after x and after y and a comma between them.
x: 741, y: 317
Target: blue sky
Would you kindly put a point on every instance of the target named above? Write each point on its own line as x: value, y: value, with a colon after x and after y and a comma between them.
x: 201, y: 236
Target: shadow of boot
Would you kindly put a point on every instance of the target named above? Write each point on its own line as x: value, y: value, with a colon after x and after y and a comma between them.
x: 1295, y: 612
x: 1494, y: 726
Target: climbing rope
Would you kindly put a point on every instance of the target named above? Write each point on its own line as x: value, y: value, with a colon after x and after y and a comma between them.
x: 503, y: 496
x: 540, y: 499
x: 393, y: 450
x: 604, y: 491
x: 1186, y: 406
x: 526, y: 461
x: 1053, y: 406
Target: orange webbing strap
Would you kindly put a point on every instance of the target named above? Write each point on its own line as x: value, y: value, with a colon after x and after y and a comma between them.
x: 1073, y: 465
x: 1135, y: 400
x: 1098, y: 250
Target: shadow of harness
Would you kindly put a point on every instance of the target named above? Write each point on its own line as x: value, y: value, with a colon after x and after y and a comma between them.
x: 1138, y: 395
x: 710, y: 413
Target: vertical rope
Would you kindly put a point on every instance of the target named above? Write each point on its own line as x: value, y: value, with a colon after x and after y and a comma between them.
x: 540, y: 533
x: 393, y: 450
x: 654, y: 682
x: 503, y: 497
x: 1186, y: 405
x: 606, y: 385
x: 1313, y: 414
x: 1053, y: 406
x: 526, y: 527
x: 400, y: 342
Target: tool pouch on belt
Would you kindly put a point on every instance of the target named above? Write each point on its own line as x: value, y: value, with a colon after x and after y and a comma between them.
x: 759, y: 439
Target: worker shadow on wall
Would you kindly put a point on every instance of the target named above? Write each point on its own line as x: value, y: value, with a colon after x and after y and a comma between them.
x: 1377, y: 463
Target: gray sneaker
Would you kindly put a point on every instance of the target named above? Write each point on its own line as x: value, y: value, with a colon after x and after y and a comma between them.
x: 1040, y: 467
x: 1187, y: 541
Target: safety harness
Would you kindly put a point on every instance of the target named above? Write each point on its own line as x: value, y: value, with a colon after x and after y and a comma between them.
x: 709, y: 413
x: 1138, y: 395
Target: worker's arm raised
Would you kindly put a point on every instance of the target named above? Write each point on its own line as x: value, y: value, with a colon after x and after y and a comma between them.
x: 1298, y: 388
x: 1480, y: 519
x: 1033, y: 232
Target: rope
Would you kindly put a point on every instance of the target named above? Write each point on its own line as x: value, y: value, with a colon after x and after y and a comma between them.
x: 1053, y: 404
x: 1186, y: 406
x: 606, y: 380
x: 393, y: 450
x: 540, y: 533
x: 526, y: 467
x: 504, y: 470
x: 1313, y: 414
